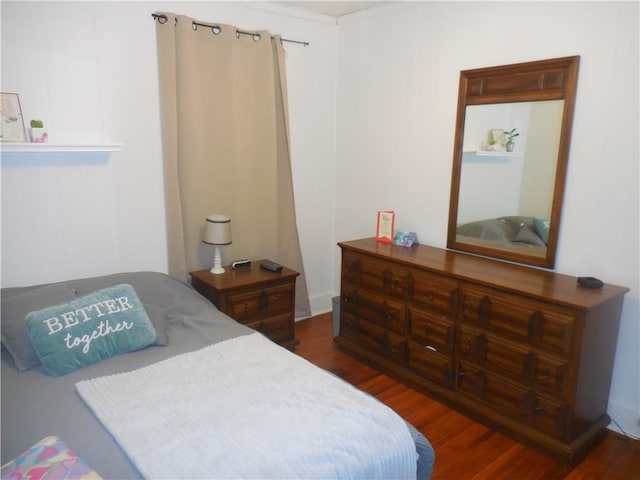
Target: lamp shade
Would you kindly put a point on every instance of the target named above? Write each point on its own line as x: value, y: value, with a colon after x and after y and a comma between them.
x: 217, y: 230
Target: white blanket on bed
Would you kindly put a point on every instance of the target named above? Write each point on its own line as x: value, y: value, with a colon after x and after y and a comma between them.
x: 246, y: 408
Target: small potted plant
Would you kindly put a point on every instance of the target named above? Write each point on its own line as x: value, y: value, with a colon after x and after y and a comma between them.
x: 37, y: 132
x: 510, y: 138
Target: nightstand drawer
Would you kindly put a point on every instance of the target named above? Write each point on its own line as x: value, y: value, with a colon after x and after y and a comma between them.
x: 264, y: 303
x: 277, y: 300
x: 244, y: 307
x: 278, y: 328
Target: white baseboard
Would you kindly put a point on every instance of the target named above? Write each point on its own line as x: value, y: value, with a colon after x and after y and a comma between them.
x: 321, y: 303
x: 624, y: 420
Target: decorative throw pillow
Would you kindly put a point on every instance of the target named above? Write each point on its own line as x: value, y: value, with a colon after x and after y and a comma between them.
x: 49, y: 458
x: 528, y: 235
x: 148, y: 289
x: 542, y: 227
x: 16, y: 304
x: 89, y: 329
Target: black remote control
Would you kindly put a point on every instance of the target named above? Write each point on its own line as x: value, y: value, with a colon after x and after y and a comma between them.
x: 271, y: 266
x: 590, y: 282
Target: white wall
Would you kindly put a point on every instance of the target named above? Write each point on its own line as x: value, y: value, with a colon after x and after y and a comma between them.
x: 398, y: 72
x: 89, y: 70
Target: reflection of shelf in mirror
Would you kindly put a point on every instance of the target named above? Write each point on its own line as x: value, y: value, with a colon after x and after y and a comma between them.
x: 485, y: 153
x: 54, y: 147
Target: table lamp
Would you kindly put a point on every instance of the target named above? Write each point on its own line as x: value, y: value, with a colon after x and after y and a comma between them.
x: 217, y: 232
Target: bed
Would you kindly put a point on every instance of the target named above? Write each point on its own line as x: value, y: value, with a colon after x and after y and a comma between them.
x: 246, y: 408
x: 512, y: 232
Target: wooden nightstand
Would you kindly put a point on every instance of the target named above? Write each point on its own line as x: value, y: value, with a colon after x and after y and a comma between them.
x: 257, y: 298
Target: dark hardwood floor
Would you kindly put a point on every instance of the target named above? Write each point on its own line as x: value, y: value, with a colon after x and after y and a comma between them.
x: 464, y: 448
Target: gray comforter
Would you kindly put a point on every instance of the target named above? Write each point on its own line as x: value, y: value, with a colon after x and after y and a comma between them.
x: 35, y: 405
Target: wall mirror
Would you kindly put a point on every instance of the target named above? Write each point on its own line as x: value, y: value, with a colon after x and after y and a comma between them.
x: 510, y: 157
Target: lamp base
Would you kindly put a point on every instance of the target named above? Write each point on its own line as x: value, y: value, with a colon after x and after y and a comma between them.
x: 217, y: 262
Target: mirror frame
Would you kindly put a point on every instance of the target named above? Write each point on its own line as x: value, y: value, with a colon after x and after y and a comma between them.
x: 553, y: 79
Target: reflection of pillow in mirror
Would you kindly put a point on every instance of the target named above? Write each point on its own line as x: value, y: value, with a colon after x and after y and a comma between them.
x: 528, y: 235
x: 493, y: 229
x: 541, y: 226
x: 518, y: 221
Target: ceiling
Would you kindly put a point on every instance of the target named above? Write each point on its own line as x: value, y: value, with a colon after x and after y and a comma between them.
x: 334, y: 8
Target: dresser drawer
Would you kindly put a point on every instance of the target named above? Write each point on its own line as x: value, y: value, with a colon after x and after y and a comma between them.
x: 381, y: 276
x: 435, y: 292
x: 513, y: 400
x: 522, y: 320
x: 431, y: 329
x: 377, y: 339
x: 375, y: 308
x: 550, y: 374
x: 503, y: 396
x: 512, y: 360
x: 432, y: 365
x: 547, y: 416
x: 492, y: 353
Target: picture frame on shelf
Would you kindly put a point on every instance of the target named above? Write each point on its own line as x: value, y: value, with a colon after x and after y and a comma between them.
x: 11, y: 120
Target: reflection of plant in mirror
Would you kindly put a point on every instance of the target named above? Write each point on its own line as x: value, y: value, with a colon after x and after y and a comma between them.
x: 511, y: 135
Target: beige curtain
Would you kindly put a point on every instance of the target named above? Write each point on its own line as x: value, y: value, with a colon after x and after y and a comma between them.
x: 226, y: 148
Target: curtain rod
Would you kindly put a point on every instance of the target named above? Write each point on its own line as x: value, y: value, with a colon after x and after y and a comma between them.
x: 216, y: 29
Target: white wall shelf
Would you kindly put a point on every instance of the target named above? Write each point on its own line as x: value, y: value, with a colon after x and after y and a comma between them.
x: 55, y: 147
x: 484, y: 153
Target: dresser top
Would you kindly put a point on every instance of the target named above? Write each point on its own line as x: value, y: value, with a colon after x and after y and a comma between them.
x: 541, y: 284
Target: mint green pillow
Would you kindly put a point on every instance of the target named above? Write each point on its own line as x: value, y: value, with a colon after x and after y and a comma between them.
x: 89, y: 329
x: 542, y: 227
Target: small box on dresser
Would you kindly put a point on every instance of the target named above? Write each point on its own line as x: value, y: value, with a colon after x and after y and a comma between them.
x: 261, y: 299
x: 525, y: 351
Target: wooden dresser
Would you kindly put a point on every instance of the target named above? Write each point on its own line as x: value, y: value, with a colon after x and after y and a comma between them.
x: 527, y: 352
x: 255, y: 297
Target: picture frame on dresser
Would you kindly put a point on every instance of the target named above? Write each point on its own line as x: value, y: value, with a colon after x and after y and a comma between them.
x: 385, y: 226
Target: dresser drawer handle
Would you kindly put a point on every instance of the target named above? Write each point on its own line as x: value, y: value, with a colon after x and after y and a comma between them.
x: 467, y: 344
x: 429, y: 347
x: 246, y: 307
